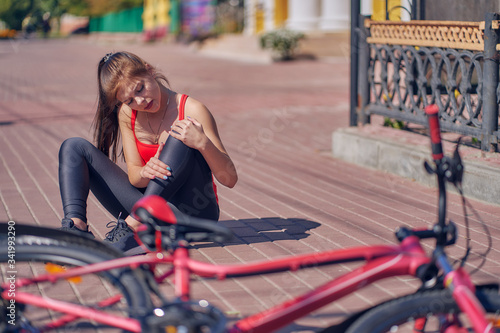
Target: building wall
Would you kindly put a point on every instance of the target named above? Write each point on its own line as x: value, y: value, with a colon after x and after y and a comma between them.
x: 459, y: 10
x: 301, y: 15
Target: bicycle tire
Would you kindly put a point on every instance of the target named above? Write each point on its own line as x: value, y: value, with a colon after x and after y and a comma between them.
x: 399, y: 315
x: 35, y: 246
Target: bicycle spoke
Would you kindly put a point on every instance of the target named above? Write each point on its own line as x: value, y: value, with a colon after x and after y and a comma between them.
x: 92, y: 291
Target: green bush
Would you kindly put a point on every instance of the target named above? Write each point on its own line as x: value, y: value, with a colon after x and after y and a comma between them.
x: 283, y: 42
x: 397, y: 124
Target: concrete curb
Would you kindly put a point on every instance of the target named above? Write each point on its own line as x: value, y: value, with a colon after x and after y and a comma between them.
x: 352, y: 145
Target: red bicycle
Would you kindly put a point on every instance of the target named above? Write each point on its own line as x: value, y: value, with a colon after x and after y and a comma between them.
x: 59, y: 264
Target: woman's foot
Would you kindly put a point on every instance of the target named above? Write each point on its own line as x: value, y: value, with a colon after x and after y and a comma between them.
x: 69, y: 225
x: 122, y: 238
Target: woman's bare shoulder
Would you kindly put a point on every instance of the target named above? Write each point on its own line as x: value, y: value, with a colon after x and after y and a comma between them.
x: 125, y: 115
x: 195, y: 108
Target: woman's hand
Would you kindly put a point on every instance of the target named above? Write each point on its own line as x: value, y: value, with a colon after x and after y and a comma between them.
x: 156, y: 168
x: 190, y: 132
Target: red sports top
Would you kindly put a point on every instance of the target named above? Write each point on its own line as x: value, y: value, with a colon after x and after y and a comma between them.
x: 147, y: 150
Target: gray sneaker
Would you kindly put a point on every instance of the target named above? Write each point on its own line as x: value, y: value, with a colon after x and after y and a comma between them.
x: 122, y: 238
x: 69, y: 225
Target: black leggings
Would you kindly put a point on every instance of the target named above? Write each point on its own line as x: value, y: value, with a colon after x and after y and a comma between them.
x: 82, y: 167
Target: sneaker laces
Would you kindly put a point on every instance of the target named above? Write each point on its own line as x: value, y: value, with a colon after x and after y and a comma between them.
x: 118, y: 226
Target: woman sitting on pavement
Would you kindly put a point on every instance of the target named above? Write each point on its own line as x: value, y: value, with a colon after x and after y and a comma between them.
x: 170, y: 144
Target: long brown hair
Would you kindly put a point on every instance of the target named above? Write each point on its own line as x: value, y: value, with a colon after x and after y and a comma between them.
x: 113, y: 70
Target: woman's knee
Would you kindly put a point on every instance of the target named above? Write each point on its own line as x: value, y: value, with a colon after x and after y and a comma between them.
x: 175, y: 151
x: 73, y: 144
x: 73, y: 152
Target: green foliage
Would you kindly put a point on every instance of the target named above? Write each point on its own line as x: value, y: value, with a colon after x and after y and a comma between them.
x: 282, y: 41
x: 73, y: 7
x: 397, y: 124
x: 12, y: 12
x: 99, y: 7
x: 127, y: 4
x: 5, y: 5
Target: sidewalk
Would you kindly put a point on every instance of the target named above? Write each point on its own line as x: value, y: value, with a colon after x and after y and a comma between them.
x: 276, y: 121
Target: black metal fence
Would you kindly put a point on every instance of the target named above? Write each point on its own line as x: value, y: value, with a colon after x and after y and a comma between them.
x: 397, y: 81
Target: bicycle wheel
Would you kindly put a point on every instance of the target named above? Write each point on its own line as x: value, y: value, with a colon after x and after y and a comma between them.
x: 428, y: 311
x: 37, y: 251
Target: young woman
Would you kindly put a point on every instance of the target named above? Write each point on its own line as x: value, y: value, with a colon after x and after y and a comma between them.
x: 170, y: 144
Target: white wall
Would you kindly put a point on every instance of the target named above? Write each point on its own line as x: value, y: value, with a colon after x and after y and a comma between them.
x: 305, y: 15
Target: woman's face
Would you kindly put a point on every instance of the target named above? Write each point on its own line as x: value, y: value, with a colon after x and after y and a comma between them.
x: 141, y: 94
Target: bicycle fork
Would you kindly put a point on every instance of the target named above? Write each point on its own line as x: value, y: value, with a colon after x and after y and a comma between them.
x: 463, y: 292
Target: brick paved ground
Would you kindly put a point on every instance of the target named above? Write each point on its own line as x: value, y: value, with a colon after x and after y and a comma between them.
x: 276, y: 121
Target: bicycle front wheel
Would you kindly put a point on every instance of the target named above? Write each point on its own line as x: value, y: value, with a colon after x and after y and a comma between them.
x: 33, y: 251
x: 427, y: 311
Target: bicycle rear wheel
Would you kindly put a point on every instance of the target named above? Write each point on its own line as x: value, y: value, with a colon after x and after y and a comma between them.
x: 37, y: 251
x: 437, y: 307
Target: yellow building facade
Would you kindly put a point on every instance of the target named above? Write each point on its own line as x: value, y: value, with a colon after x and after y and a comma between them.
x: 393, y: 12
x: 156, y: 18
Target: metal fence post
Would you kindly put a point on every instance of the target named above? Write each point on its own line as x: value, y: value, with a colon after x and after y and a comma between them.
x: 363, y: 67
x: 355, y: 10
x: 490, y: 81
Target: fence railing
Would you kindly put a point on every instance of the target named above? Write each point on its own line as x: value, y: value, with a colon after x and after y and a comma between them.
x: 404, y: 66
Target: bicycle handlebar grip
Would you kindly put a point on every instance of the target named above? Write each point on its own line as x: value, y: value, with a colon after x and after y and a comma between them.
x: 435, y: 131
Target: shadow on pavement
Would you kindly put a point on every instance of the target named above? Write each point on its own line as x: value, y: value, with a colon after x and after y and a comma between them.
x: 267, y: 229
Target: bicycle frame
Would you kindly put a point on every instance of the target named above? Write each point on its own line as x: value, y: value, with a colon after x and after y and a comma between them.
x: 382, y: 262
